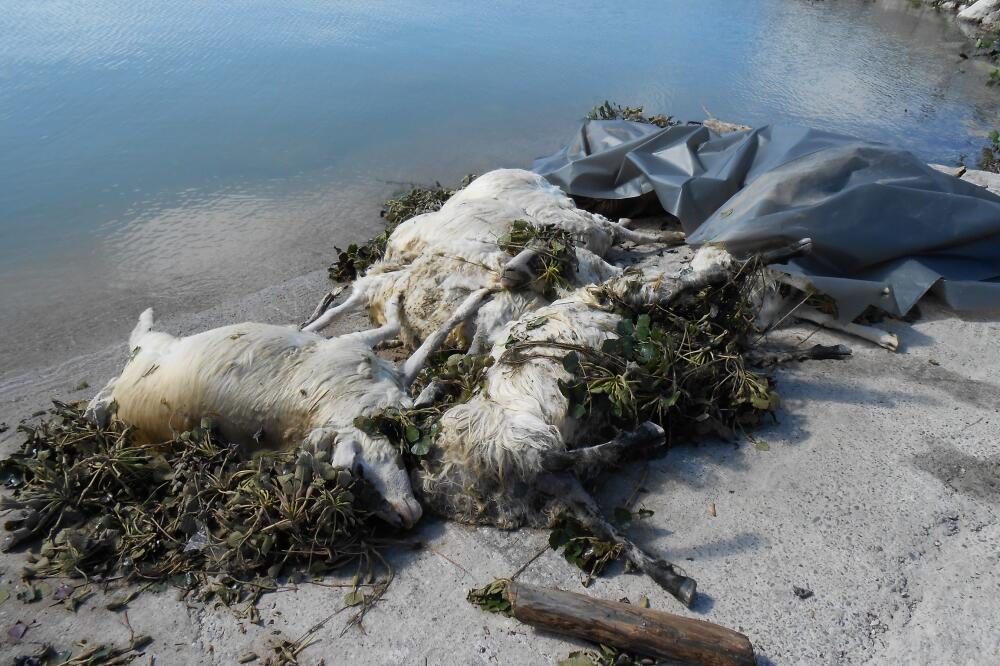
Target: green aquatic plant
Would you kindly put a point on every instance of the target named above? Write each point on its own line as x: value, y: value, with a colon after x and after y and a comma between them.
x: 492, y: 597
x: 556, y: 257
x: 609, y: 111
x: 353, y: 261
x: 194, y: 511
x: 681, y: 366
x: 456, y: 377
x: 581, y: 548
x: 989, y: 158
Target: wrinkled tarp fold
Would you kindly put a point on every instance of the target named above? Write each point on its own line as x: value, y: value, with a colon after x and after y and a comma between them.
x: 886, y: 227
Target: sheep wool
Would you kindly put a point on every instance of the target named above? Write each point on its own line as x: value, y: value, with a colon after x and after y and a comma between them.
x: 266, y: 386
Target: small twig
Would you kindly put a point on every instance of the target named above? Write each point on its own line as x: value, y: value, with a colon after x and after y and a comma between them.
x: 443, y: 556
x: 638, y: 487
x: 806, y: 339
x: 528, y: 563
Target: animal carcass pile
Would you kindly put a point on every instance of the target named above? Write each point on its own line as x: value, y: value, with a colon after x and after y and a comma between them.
x: 534, y: 364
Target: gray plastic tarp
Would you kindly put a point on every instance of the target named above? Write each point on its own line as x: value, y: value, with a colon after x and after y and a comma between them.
x: 886, y: 227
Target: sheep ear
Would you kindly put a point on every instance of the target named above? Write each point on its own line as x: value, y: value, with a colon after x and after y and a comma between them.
x: 321, y: 442
x: 101, y: 407
x: 345, y: 455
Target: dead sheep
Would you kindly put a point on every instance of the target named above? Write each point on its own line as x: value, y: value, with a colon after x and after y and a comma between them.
x: 267, y: 386
x: 434, y: 260
x: 513, y: 454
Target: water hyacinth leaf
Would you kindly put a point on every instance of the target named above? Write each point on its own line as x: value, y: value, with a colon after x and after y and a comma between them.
x: 558, y: 538
x: 29, y: 593
x: 621, y: 517
x: 355, y: 598
x: 421, y: 447
x: 412, y: 433
x: 628, y: 348
x: 583, y: 549
x: 554, y: 259
x: 609, y: 111
x: 670, y: 401
x: 491, y: 598
x: 648, y: 353
x: 611, y: 346
x: 642, y: 325
x: 571, y: 362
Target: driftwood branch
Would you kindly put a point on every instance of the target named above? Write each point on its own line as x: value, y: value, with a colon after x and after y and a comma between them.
x: 640, y: 630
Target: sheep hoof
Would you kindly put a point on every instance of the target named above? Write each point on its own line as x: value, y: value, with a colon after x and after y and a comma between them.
x: 668, y: 577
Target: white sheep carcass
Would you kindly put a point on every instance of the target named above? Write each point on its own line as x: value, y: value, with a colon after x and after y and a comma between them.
x: 513, y: 452
x: 270, y: 386
x: 432, y: 261
x: 782, y: 296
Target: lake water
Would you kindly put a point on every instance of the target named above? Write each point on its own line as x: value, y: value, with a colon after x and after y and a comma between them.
x: 175, y: 153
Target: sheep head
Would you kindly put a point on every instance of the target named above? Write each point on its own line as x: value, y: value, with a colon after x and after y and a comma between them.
x: 378, y: 461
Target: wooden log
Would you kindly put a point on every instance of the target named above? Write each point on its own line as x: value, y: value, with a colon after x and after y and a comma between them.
x: 641, y: 630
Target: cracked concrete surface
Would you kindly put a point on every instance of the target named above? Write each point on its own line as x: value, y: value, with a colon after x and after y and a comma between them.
x: 877, y: 489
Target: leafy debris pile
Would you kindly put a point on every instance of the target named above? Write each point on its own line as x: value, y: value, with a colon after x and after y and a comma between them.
x: 353, y: 261
x: 193, y: 510
x: 588, y: 552
x: 582, y: 549
x: 453, y: 378
x: 609, y: 111
x: 100, y: 654
x: 681, y: 366
x: 555, y: 262
x: 492, y: 597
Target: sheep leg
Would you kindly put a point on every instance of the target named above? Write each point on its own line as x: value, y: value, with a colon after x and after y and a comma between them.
x: 388, y: 330
x: 589, y: 459
x: 571, y: 496
x: 417, y: 361
x: 870, y: 333
x: 786, y: 252
x: 99, y: 409
x: 323, y: 305
x: 357, y: 299
x: 668, y: 291
x: 761, y: 358
x: 360, y: 297
x: 430, y: 394
x: 623, y: 233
